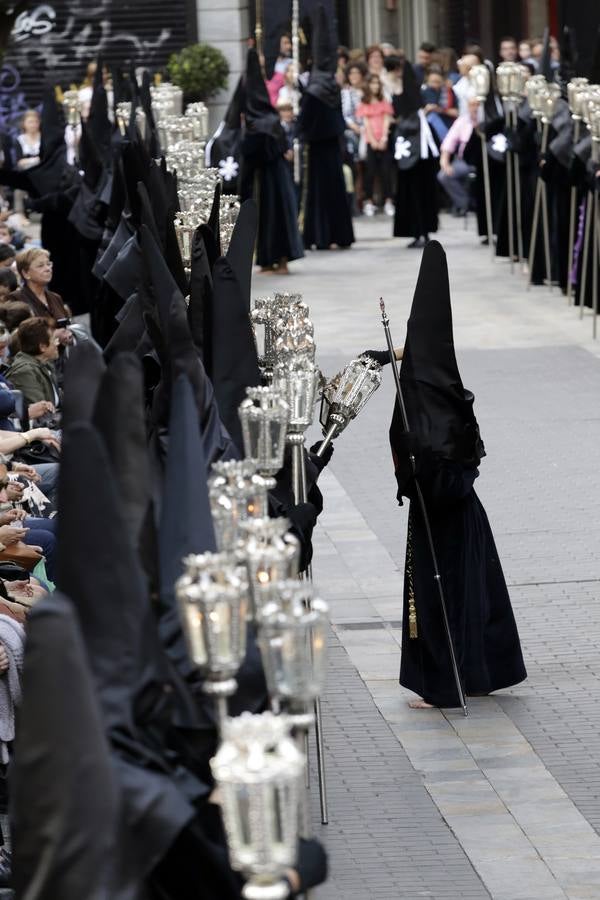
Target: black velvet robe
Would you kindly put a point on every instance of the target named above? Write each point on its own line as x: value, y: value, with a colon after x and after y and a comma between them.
x: 479, y: 610
x: 326, y: 210
x: 266, y: 177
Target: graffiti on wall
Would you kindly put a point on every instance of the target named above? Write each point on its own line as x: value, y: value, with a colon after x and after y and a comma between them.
x: 62, y: 37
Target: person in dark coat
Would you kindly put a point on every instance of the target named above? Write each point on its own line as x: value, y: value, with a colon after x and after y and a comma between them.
x: 416, y: 155
x: 445, y: 442
x: 265, y: 175
x: 321, y: 125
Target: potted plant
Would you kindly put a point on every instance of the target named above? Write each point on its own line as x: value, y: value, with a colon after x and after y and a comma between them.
x: 199, y: 70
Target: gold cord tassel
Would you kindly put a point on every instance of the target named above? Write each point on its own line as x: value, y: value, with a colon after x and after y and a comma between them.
x: 412, y: 609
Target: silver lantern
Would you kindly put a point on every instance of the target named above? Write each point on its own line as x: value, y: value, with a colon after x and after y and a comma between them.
x: 272, y: 555
x: 346, y: 394
x: 236, y: 494
x: 292, y: 641
x: 72, y: 107
x: 479, y: 78
x: 212, y: 595
x: 297, y: 381
x: 258, y: 770
x: 264, y: 415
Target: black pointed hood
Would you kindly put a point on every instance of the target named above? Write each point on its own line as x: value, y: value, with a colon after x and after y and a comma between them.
x: 99, y: 571
x: 224, y: 146
x: 119, y: 419
x: 595, y: 70
x: 568, y: 58
x: 52, y: 124
x: 64, y: 795
x: 99, y: 124
x: 233, y: 348
x: 545, y: 68
x: 322, y: 83
x: 409, y: 101
x: 240, y: 253
x: 233, y: 115
x: 83, y: 372
x: 186, y: 522
x: 200, y: 304
x: 152, y: 140
x: 214, y: 219
x: 260, y: 117
x: 439, y: 409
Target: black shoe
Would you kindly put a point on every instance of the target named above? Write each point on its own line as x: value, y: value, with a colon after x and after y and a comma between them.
x: 417, y: 244
x: 485, y: 243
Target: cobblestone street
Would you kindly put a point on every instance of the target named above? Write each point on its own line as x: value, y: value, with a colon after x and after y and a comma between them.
x: 504, y: 804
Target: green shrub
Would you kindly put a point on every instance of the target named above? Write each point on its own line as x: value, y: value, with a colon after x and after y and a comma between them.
x: 200, y: 71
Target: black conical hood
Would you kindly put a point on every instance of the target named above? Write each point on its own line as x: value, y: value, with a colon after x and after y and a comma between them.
x: 65, y: 801
x: 595, y: 70
x: 409, y: 100
x: 259, y: 114
x: 322, y: 83
x: 233, y: 348
x: 324, y: 50
x: 546, y: 58
x: 152, y: 140
x: 568, y: 58
x: 439, y: 410
x: 98, y: 122
x: 99, y: 571
x: 233, y: 116
x: 240, y: 253
x: 214, y: 219
x: 186, y: 522
x: 52, y: 125
x: 90, y: 158
x: 199, y: 307
x: 119, y: 419
x: 83, y: 372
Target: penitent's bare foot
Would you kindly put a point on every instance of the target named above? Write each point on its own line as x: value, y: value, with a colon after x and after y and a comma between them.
x: 420, y: 704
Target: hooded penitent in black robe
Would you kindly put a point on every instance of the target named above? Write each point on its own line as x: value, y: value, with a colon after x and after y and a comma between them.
x: 416, y: 200
x: 265, y: 174
x: 66, y: 806
x: 326, y: 210
x: 223, y: 149
x: 444, y: 438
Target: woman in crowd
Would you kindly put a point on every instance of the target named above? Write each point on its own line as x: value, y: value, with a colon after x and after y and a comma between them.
x: 376, y: 113
x: 352, y: 93
x: 35, y: 268
x: 31, y: 370
x: 27, y: 144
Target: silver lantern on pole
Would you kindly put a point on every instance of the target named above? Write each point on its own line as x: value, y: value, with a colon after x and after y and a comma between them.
x: 543, y: 101
x: 212, y: 596
x: 575, y: 88
x: 510, y: 81
x: 264, y: 415
x: 272, y: 555
x: 258, y: 769
x: 345, y: 395
x: 236, y: 494
x: 479, y: 79
x: 292, y: 640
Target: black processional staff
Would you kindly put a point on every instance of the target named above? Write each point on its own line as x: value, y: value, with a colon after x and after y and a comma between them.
x: 436, y: 572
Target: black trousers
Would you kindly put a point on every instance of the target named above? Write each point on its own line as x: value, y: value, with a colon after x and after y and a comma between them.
x: 378, y: 165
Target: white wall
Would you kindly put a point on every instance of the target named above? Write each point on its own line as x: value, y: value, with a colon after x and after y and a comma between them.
x: 224, y: 24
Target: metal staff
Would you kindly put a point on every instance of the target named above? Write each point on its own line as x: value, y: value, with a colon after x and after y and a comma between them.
x: 517, y: 165
x: 436, y: 572
x: 541, y: 202
x: 296, y: 441
x: 296, y: 64
x: 510, y: 163
x: 572, y: 214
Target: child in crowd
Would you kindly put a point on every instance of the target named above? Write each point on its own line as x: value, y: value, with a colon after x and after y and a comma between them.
x: 376, y: 113
x: 438, y: 102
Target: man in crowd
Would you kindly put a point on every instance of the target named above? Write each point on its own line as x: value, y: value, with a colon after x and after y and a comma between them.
x: 508, y: 50
x: 424, y: 59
